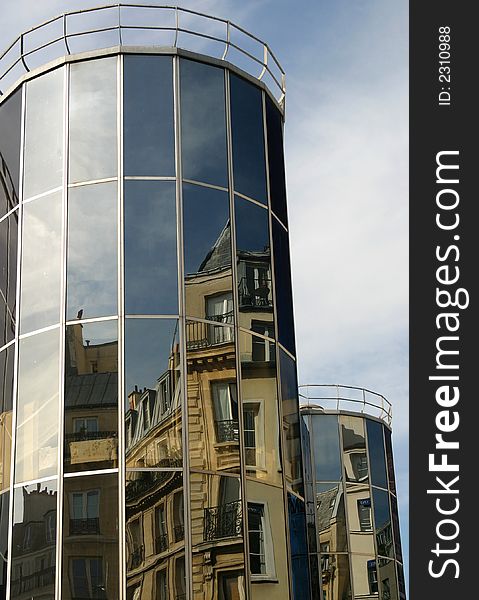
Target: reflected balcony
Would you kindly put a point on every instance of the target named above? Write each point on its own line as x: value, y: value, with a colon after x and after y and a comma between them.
x: 201, y: 335
x: 223, y: 521
x: 28, y: 583
x: 85, y: 526
x: 255, y: 294
x: 227, y: 431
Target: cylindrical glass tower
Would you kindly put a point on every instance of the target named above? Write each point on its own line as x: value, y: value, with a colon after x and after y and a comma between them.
x: 149, y: 424
x: 352, y: 511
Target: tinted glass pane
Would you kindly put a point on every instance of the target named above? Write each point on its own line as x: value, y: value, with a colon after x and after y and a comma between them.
x: 354, y: 449
x: 44, y: 133
x: 401, y: 582
x: 396, y: 530
x: 248, y: 139
x: 376, y: 453
x: 365, y: 578
x: 331, y: 517
x: 203, y: 123
x: 91, y: 396
x: 277, y: 184
x: 291, y: 428
x: 4, y: 508
x: 387, y: 580
x: 42, y: 236
x: 90, y: 537
x: 382, y: 523
x: 92, y: 251
x: 37, y: 406
x: 10, y: 128
x: 34, y: 541
x: 93, y: 120
x: 327, y: 456
x: 6, y: 389
x: 338, y: 586
x: 8, y: 276
x: 217, y: 520
x: 148, y: 116
x: 389, y: 460
x: 359, y: 507
x: 260, y: 409
x: 299, y: 549
x: 284, y: 293
x: 153, y: 408
x: 151, y: 268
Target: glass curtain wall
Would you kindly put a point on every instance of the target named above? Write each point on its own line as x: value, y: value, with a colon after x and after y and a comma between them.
x: 147, y: 370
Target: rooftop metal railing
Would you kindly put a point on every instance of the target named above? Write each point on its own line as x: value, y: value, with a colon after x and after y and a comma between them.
x: 345, y: 397
x: 125, y: 25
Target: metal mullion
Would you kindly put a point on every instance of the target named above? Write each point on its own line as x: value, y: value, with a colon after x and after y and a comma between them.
x: 236, y: 330
x: 88, y: 473
x: 7, y: 214
x: 91, y: 320
x: 257, y: 202
x: 17, y: 345
x: 158, y: 317
x: 207, y: 185
x: 182, y: 330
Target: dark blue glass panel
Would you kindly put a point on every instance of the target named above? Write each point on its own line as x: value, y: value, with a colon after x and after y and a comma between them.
x: 390, y: 460
x: 382, y: 523
x: 377, y: 460
x: 299, y: 548
x: 277, y: 182
x: 396, y: 530
x: 10, y: 129
x: 284, y: 292
x: 327, y: 455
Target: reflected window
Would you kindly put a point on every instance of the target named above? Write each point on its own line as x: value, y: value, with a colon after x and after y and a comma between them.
x: 203, y: 123
x: 376, y: 453
x: 87, y: 578
x: 4, y: 521
x: 248, y: 139
x: 180, y: 578
x: 220, y: 309
x: 372, y: 577
x: 354, y: 449
x: 161, y: 535
x: 85, y: 516
x: 253, y: 423
x: 277, y: 183
x: 6, y: 399
x: 225, y: 404
x: 364, y: 514
x: 291, y: 423
x: 178, y: 517
x: 161, y: 585
x: 260, y: 542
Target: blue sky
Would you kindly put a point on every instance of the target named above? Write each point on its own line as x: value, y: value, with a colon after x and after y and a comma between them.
x: 346, y: 64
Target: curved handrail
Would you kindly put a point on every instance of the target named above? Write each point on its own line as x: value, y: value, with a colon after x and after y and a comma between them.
x: 18, y: 58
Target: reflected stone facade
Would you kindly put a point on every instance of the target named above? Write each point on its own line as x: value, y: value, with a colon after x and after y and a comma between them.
x: 352, y: 513
x: 149, y: 424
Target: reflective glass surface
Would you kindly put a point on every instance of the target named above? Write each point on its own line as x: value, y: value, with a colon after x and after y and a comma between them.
x: 247, y: 131
x: 396, y: 530
x: 203, y: 123
x: 93, y: 120
x: 382, y: 523
x: 284, y: 292
x: 388, y: 589
x: 330, y: 516
x: 277, y: 183
x: 151, y: 267
x: 4, y: 508
x: 335, y: 576
x: 90, y: 537
x: 91, y: 396
x: 148, y: 115
x: 34, y: 541
x: 253, y: 255
x: 37, y: 406
x: 153, y: 411
x: 365, y: 577
x: 260, y: 409
x: 92, y: 251
x: 8, y: 276
x: 376, y: 453
x: 41, y: 263
x: 299, y: 548
x: 10, y: 127
x: 389, y: 460
x: 401, y: 582
x: 43, y: 167
x: 327, y: 457
x: 354, y: 449
x: 359, y: 507
x: 291, y: 428
x: 6, y: 391
x: 155, y: 531
x: 217, y: 529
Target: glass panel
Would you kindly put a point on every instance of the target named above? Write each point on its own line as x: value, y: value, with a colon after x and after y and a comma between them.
x: 92, y: 251
x: 93, y: 120
x: 267, y: 536
x: 291, y: 428
x: 284, y: 293
x: 154, y: 526
x: 203, y: 123
x: 4, y: 520
x: 153, y: 410
x: 37, y: 406
x: 382, y: 523
x: 330, y: 517
x: 213, y: 419
x: 8, y: 277
x: 389, y: 460
x: 277, y: 183
x: 397, y: 532
x: 260, y: 409
x: 335, y: 576
x: 377, y: 459
x: 354, y: 449
x: 247, y: 134
x: 91, y: 396
x: 387, y: 579
x: 148, y: 116
x: 151, y: 266
x: 359, y: 507
x: 253, y: 255
x: 42, y: 245
x: 216, y: 528
x: 401, y: 582
x: 327, y: 457
x: 365, y: 576
x: 6, y: 399
x: 299, y: 547
x: 90, y: 537
x: 10, y: 130
x: 207, y: 253
x: 44, y: 133
x: 34, y: 541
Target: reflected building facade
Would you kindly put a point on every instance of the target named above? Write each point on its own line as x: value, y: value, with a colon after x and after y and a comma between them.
x: 352, y: 512
x: 150, y: 443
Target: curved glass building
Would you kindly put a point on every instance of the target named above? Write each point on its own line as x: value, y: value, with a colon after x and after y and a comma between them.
x: 352, y: 511
x: 149, y: 422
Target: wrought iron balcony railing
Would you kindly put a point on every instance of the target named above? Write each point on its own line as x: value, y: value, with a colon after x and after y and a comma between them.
x: 255, y: 293
x: 201, y: 335
x: 227, y: 431
x: 85, y: 526
x: 28, y: 583
x: 83, y: 436
x: 223, y: 521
